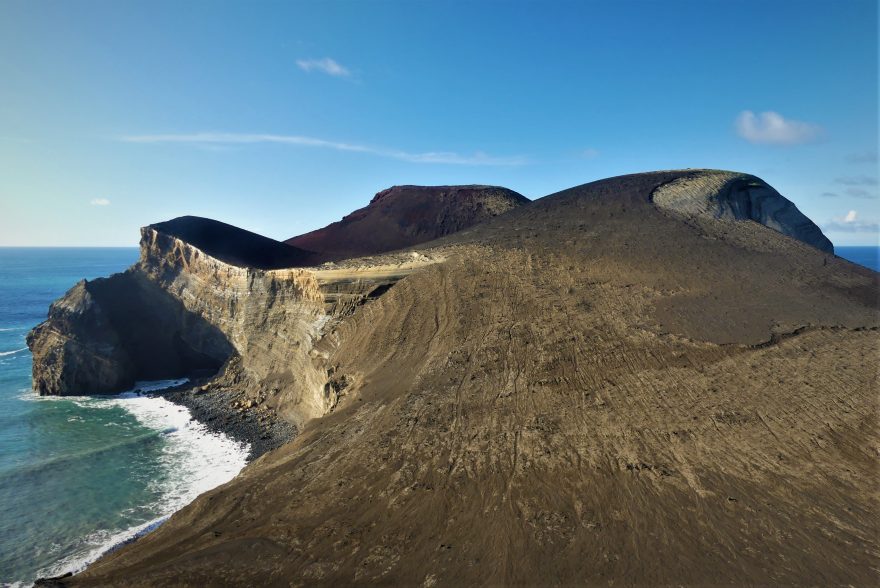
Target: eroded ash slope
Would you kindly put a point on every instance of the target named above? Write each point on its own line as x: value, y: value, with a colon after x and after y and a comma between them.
x: 587, y: 388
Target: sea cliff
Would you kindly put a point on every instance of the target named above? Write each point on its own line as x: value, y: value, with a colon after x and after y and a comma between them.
x: 181, y: 312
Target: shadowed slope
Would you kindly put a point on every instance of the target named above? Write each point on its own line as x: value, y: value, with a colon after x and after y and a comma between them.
x: 234, y: 245
x: 590, y: 388
x: 108, y: 333
x: 403, y: 216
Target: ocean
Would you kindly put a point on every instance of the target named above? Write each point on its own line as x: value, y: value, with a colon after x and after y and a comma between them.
x: 868, y: 256
x: 79, y: 475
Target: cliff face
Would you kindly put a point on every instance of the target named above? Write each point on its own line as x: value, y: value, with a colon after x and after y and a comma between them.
x: 179, y: 312
x: 712, y: 194
x: 270, y: 318
x: 273, y: 319
x: 105, y: 334
x: 206, y: 294
x: 403, y: 216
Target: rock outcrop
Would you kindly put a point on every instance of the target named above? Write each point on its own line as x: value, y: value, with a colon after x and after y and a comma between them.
x: 205, y: 292
x: 714, y: 194
x: 180, y: 311
x: 104, y: 335
x: 403, y: 216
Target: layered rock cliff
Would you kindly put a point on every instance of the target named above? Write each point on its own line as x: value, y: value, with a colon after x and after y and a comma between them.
x: 180, y: 311
x: 104, y: 335
x: 206, y: 294
x: 714, y: 194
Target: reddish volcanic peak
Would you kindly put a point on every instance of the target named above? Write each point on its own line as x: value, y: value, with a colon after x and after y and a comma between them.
x: 403, y: 216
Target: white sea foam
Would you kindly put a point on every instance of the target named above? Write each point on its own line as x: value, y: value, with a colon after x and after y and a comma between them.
x: 195, y: 459
x: 103, y: 542
x: 13, y: 352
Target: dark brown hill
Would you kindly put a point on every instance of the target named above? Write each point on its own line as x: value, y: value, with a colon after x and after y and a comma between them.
x: 234, y: 245
x: 403, y: 216
x: 595, y: 387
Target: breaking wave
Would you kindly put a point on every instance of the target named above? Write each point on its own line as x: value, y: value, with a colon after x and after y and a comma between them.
x: 194, y: 458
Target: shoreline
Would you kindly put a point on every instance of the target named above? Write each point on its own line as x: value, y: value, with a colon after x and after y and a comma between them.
x: 262, y: 429
x: 259, y: 429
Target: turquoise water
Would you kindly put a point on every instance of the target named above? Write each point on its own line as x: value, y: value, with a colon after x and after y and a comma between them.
x: 866, y: 256
x: 79, y: 475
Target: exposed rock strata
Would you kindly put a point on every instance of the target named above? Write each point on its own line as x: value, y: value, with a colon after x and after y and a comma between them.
x: 270, y: 318
x: 179, y: 311
x: 734, y: 196
x: 105, y: 334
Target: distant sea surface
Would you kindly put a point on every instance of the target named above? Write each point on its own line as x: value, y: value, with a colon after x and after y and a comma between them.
x: 866, y: 256
x: 79, y: 475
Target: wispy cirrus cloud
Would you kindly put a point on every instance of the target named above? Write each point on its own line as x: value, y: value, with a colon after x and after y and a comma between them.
x: 590, y: 153
x: 325, y: 65
x: 772, y: 128
x: 99, y: 202
x: 217, y: 139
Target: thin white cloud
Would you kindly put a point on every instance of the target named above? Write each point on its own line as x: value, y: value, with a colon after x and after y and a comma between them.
x: 326, y: 65
x: 99, y: 202
x: 773, y: 128
x: 854, y: 227
x: 590, y: 153
x: 850, y: 223
x: 857, y: 181
x: 443, y: 157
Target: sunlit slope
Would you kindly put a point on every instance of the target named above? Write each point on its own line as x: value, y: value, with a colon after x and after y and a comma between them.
x: 590, y: 387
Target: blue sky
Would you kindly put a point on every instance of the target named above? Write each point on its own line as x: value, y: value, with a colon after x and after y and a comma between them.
x: 281, y: 117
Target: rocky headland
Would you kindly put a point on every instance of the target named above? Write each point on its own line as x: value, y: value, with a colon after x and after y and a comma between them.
x: 235, y: 312
x: 657, y: 378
